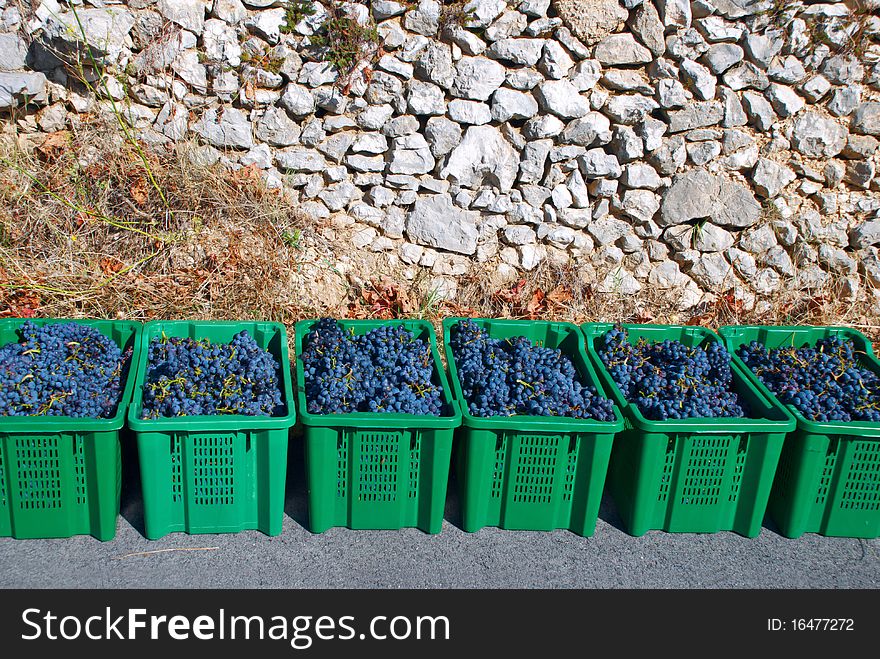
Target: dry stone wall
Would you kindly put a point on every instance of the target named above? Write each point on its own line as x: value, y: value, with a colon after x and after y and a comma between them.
x: 700, y: 147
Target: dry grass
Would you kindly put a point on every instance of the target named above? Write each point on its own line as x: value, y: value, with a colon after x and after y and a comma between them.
x: 83, y: 233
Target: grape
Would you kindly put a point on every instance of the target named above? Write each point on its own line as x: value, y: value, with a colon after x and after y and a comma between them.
x: 189, y: 377
x: 386, y: 370
x: 668, y: 380
x: 503, y: 377
x: 62, y: 369
x: 824, y: 381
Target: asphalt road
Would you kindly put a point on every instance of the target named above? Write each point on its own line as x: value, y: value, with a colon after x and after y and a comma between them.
x: 492, y: 558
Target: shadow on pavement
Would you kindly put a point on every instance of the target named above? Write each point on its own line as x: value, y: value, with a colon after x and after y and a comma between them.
x: 296, y: 504
x: 131, y: 502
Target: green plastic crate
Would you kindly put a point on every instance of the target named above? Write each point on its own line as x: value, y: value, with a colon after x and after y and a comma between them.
x: 532, y: 472
x: 692, y: 475
x: 61, y: 476
x: 214, y: 474
x: 372, y: 470
x: 828, y: 480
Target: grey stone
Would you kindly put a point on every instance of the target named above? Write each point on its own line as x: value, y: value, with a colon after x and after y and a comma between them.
x: 700, y: 79
x: 860, y: 147
x: 720, y: 57
x: 300, y: 160
x: 523, y: 79
x: 577, y: 218
x: 629, y: 109
x: 443, y: 135
x: 760, y: 112
x: 534, y: 158
x: 297, y: 100
x: 229, y: 11
x: 845, y: 100
x: 626, y: 145
x: 745, y: 75
x: 734, y: 115
x: 584, y: 131
x: 585, y: 75
x: 816, y: 136
x: 383, y: 88
x: 313, y: 133
x: 508, y: 104
x: 715, y: 28
x: 104, y: 30
x: 221, y: 42
x: 698, y: 194
x: 266, y: 24
x: 815, y: 88
x: 336, y: 146
x: 232, y: 130
x: 788, y: 70
x: 865, y: 234
x: 434, y: 221
x: 519, y: 235
x: 619, y: 281
x: 651, y: 131
x: 562, y: 99
x: 424, y: 19
x: 405, y: 125
x: 762, y: 48
x: 836, y: 259
x: 434, y: 64
x: 743, y: 262
x: 22, y: 88
x: 646, y: 25
x: 700, y: 153
x: 696, y: 115
x: 315, y: 74
x: 580, y: 196
x: 626, y: 80
x: 843, y: 69
x: 370, y: 143
x: 641, y: 205
x: 397, y: 66
x: 561, y: 197
x: 675, y: 13
x: 866, y: 119
x: 477, y: 78
x: 411, y: 155
x: 483, y: 156
x: 13, y: 51
x: 542, y: 126
x: 712, y: 271
x: 555, y: 62
x: 336, y: 123
x: 425, y: 98
x: 525, y: 52
x: 641, y: 175
x: 769, y: 177
x: 482, y: 12
x: 469, y: 112
x: 360, y: 163
x: 710, y: 238
x: 608, y: 230
x: 383, y: 9
x: 669, y: 156
x: 617, y: 49
x: 469, y: 42
x: 860, y: 173
x: 757, y: 240
x: 339, y: 195
x: 277, y: 129
x: 667, y: 275
x: 534, y: 8
x: 784, y: 99
x: 374, y: 117
x: 332, y: 99
x: 595, y: 163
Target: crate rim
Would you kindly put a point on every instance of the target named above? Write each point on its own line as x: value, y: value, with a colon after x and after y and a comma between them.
x: 375, y: 420
x: 212, y: 423
x: 71, y: 424
x: 816, y: 427
x: 592, y: 331
x: 526, y: 423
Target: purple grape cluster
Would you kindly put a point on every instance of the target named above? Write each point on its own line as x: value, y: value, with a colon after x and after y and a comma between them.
x: 189, y: 377
x: 823, y: 381
x: 385, y: 370
x: 62, y: 369
x: 504, y: 377
x: 668, y: 380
